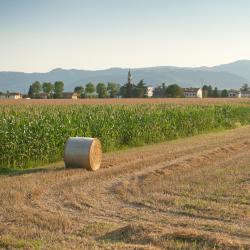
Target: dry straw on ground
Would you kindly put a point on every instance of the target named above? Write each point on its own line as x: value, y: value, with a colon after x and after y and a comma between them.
x: 82, y: 152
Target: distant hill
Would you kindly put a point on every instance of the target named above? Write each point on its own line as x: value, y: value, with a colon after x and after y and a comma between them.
x: 240, y: 68
x: 231, y: 75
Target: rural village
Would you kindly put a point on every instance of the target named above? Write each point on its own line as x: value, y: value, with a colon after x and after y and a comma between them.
x: 48, y: 90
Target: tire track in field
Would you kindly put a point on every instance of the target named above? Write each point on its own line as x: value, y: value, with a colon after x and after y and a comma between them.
x: 138, y: 178
x: 187, y: 159
x: 132, y: 167
x: 135, y: 172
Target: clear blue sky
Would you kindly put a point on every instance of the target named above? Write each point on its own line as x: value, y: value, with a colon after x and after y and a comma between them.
x: 39, y: 35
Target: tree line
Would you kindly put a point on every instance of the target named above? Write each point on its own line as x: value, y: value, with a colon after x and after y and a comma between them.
x: 175, y: 91
x: 171, y: 91
x: 101, y: 90
x: 51, y: 90
x: 55, y: 90
x: 209, y: 91
x: 128, y: 90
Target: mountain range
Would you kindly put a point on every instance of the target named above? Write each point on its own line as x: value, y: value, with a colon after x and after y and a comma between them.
x: 232, y: 75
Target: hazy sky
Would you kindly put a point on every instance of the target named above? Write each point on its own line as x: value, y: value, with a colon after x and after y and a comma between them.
x: 39, y: 35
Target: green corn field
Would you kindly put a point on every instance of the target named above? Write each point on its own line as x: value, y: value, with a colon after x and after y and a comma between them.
x: 35, y: 135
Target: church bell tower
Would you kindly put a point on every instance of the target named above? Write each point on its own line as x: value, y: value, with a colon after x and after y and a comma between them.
x: 129, y: 78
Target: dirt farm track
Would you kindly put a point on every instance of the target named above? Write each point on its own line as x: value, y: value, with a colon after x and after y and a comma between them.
x: 191, y: 193
x: 182, y: 101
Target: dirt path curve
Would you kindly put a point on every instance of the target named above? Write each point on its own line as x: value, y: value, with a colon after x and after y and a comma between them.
x: 136, y: 186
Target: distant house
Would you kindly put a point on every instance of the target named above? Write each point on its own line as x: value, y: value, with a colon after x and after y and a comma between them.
x: 69, y: 95
x: 234, y: 93
x: 245, y: 93
x: 26, y: 97
x: 150, y: 91
x: 43, y: 96
x: 13, y: 95
x: 192, y: 92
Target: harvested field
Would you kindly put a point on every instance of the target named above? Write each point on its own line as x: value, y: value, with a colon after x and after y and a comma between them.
x: 190, y: 193
x: 180, y: 101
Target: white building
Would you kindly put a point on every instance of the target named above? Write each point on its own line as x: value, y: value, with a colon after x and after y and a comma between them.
x: 43, y: 96
x: 150, y: 91
x: 14, y: 96
x: 69, y: 95
x: 245, y: 94
x: 192, y: 92
x: 232, y: 93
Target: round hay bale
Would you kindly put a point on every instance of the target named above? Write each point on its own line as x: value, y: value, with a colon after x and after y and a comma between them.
x: 83, y: 152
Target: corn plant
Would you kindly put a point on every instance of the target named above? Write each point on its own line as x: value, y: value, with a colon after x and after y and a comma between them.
x: 35, y: 135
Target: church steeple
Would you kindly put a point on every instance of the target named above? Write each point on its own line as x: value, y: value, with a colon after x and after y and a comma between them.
x: 129, y: 77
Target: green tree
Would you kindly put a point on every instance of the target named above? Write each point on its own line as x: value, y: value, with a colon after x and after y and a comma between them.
x: 224, y: 93
x: 140, y: 90
x: 30, y: 91
x: 130, y: 90
x: 79, y: 90
x: 127, y: 90
x: 101, y: 90
x: 210, y: 91
x: 58, y: 89
x: 123, y: 91
x: 245, y: 87
x: 160, y: 91
x: 90, y: 88
x: 113, y: 89
x: 48, y: 88
x: 215, y: 92
x: 205, y: 91
x: 174, y: 91
x: 35, y: 90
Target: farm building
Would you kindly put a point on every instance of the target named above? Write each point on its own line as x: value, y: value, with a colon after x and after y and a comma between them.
x: 234, y: 93
x: 69, y: 95
x: 192, y: 92
x: 245, y: 93
x: 150, y: 91
x: 44, y: 96
x: 13, y: 95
